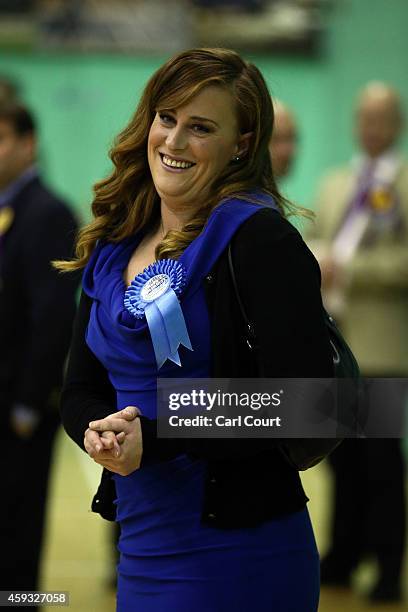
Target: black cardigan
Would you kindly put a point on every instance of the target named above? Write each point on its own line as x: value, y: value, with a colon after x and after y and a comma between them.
x: 248, y: 480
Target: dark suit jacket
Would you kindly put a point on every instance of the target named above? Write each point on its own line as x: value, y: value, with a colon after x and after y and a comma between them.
x: 37, y: 304
x: 248, y: 480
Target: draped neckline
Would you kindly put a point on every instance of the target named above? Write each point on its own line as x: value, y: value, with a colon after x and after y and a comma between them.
x: 103, y: 278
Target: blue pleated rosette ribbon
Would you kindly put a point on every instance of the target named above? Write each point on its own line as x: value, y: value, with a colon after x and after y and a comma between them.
x: 153, y: 294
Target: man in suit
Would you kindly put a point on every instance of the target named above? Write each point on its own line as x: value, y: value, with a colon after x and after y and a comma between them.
x: 37, y: 307
x: 361, y: 240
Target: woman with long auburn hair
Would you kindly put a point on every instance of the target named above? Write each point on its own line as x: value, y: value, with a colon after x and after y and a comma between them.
x: 206, y: 524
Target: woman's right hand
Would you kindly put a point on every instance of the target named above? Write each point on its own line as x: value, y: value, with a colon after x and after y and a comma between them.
x: 96, y: 442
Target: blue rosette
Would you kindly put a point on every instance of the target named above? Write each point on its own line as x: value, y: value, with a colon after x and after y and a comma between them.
x: 153, y: 294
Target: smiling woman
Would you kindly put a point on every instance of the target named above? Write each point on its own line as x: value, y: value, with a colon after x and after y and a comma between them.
x: 189, y: 147
x: 202, y: 102
x: 205, y: 524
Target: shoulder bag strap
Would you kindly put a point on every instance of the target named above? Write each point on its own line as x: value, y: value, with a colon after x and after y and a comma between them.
x: 251, y: 339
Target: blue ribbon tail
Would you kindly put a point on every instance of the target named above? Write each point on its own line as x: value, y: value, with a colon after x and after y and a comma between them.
x: 176, y: 329
x: 167, y: 328
x: 158, y: 333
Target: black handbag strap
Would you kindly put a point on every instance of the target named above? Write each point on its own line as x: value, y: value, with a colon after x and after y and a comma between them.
x: 250, y: 332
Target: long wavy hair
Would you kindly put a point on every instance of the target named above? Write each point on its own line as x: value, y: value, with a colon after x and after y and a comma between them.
x: 126, y: 201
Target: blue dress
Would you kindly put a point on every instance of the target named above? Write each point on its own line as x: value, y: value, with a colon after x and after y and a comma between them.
x: 169, y: 560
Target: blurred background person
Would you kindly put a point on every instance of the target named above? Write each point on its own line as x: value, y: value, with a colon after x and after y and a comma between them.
x: 361, y: 240
x: 9, y: 91
x: 36, y: 312
x: 284, y: 141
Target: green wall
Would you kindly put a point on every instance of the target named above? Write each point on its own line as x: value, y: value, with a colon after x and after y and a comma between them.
x: 83, y: 101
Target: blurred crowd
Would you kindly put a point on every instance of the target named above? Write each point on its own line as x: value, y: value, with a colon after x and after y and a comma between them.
x: 161, y: 25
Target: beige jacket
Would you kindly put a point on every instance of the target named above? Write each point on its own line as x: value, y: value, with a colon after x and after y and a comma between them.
x: 375, y: 315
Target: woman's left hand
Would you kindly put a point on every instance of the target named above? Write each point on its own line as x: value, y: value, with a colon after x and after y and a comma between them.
x: 127, y: 426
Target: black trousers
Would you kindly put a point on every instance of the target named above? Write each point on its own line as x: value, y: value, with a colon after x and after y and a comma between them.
x: 26, y: 466
x: 369, y: 505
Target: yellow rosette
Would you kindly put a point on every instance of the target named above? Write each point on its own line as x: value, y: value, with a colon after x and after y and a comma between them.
x: 381, y: 200
x: 6, y: 219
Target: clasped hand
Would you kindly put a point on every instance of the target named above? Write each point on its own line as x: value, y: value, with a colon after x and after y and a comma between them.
x: 115, y: 442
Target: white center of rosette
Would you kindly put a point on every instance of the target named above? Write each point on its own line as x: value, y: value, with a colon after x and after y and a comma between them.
x: 155, y: 287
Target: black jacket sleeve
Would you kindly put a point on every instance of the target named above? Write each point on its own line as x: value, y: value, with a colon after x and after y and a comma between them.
x: 87, y: 393
x: 279, y: 283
